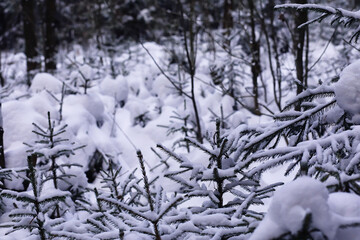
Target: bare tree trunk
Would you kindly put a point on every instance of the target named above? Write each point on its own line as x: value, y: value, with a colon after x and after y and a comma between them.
x: 271, y: 39
x: 2, y: 82
x: 2, y: 79
x: 190, y: 49
x: 32, y: 59
x: 255, y: 62
x: 355, y: 4
x: 50, y: 38
x: 299, y: 47
x: 228, y: 21
x: 2, y: 154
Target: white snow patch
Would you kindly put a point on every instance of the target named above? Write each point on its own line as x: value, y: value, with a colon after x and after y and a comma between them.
x: 347, y: 91
x: 117, y: 88
x: 87, y: 72
x: 289, y: 207
x: 45, y: 81
x: 345, y: 205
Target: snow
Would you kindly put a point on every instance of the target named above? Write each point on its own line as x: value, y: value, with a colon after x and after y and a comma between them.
x: 289, y: 206
x: 93, y: 104
x: 305, y: 195
x: 45, y: 81
x: 345, y: 205
x: 86, y: 72
x: 347, y: 91
x: 116, y: 88
x: 212, y: 220
x: 106, y: 119
x: 162, y: 87
x: 18, y: 117
x: 76, y: 115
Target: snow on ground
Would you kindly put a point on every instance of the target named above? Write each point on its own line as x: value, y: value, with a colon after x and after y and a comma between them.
x: 117, y: 115
x: 45, y: 81
x: 123, y: 113
x: 292, y: 202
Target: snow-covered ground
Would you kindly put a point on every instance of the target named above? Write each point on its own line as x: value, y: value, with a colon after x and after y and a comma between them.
x: 136, y: 108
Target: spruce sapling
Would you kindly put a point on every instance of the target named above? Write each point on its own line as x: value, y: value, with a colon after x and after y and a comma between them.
x: 49, y: 149
x: 151, y: 211
x: 228, y: 199
x: 34, y: 206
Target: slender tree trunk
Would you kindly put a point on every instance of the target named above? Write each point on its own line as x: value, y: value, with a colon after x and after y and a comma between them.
x: 227, y: 19
x: 2, y: 79
x: 3, y: 23
x: 32, y: 59
x: 2, y: 155
x: 50, y: 37
x: 299, y: 47
x: 273, y: 53
x: 356, y: 4
x: 227, y: 23
x: 255, y: 62
x: 192, y: 61
x: 190, y: 49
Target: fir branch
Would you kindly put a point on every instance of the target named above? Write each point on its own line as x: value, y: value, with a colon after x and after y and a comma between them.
x: 340, y: 15
x: 244, y: 205
x: 270, y: 134
x: 69, y: 235
x: 321, y: 91
x: 128, y: 209
x: 201, y: 147
x: 146, y: 181
x: 174, y: 202
x: 178, y: 158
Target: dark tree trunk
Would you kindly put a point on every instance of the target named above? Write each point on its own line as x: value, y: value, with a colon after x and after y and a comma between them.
x: 228, y: 19
x: 2, y: 155
x: 32, y: 59
x: 255, y: 62
x: 227, y: 23
x: 2, y: 26
x: 2, y: 79
x: 355, y: 4
x: 50, y: 38
x: 299, y: 47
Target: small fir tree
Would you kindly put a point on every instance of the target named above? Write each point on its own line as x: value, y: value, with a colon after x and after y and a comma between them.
x: 34, y: 207
x: 49, y: 149
x: 228, y: 199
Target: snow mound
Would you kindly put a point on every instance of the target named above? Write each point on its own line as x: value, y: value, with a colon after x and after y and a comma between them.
x: 291, y: 204
x: 81, y: 111
x: 117, y: 88
x: 345, y: 205
x: 347, y: 91
x: 46, y: 81
x: 93, y: 104
x: 87, y: 72
x: 329, y: 212
x: 162, y: 87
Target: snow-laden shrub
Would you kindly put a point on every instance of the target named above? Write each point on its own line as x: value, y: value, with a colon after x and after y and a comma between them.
x: 35, y: 208
x: 45, y: 81
x: 347, y: 91
x: 133, y: 209
x: 52, y: 150
x: 304, y: 209
x: 116, y: 88
x: 226, y: 193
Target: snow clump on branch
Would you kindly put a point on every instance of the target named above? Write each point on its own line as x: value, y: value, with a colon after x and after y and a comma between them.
x: 347, y: 91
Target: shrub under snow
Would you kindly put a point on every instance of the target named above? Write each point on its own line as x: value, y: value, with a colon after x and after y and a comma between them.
x: 46, y: 81
x: 307, y: 198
